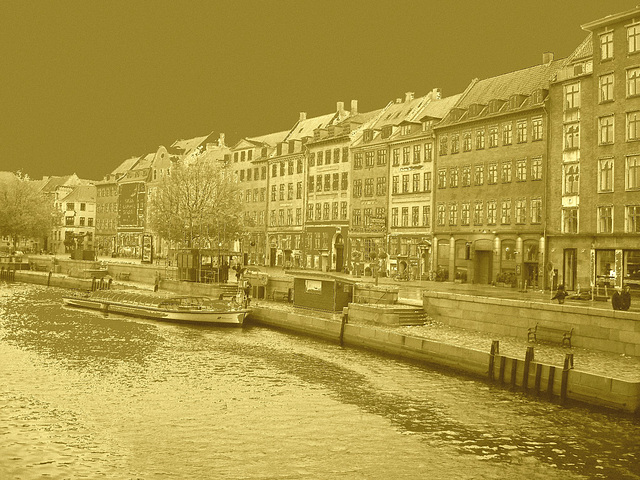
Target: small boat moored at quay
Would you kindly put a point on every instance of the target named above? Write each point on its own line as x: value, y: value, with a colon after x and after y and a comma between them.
x: 184, y: 308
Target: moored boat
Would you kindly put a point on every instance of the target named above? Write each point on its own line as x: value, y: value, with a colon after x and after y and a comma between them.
x: 183, y: 308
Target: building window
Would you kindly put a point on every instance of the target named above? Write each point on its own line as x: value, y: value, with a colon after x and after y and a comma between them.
x: 507, y: 134
x: 480, y: 139
x: 521, y: 211
x: 281, y: 195
x: 405, y: 216
x: 606, y: 88
x: 68, y: 221
x: 298, y: 190
x: 396, y: 157
x: 357, y: 160
x: 466, y: 142
x: 369, y: 158
x: 426, y: 216
x: 381, y: 186
x: 466, y: 176
x: 536, y: 129
x: 290, y: 191
x: 632, y: 173
x: 290, y: 167
x: 312, y: 159
x: 455, y: 143
x: 492, y: 174
x: 416, y: 182
x: 427, y: 181
x: 464, y: 213
x: 405, y: 183
x: 521, y: 170
x: 336, y: 155
x: 298, y: 216
x: 394, y: 217
x: 633, y: 38
x: 443, y: 145
x: 428, y: 152
x: 440, y: 214
x: 505, y: 212
x: 536, y: 168
x: 281, y: 216
x: 335, y: 184
x: 274, y: 192
x: 405, y: 130
x: 318, y: 211
x: 478, y: 210
x: 327, y: 157
x: 442, y: 178
x: 536, y: 210
x: 417, y: 154
x: 606, y: 46
x: 633, y: 82
x: 605, y: 175
x: 415, y: 216
x: 571, y: 136
x: 343, y: 210
x: 521, y: 131
x: 368, y: 187
x: 632, y: 219
x: 605, y: 130
x: 406, y: 155
x: 633, y: 126
x: 453, y: 214
x: 570, y: 220
x: 478, y: 174
x: 344, y: 184
x: 572, y: 96
x: 356, y: 216
x: 506, y: 172
x: 318, y: 183
x: 605, y: 219
x: 395, y: 184
x: 357, y: 188
x: 571, y: 179
x: 453, y: 177
x: 326, y: 208
x: 382, y: 157
x: 491, y: 212
x: 345, y: 154
x: 493, y: 137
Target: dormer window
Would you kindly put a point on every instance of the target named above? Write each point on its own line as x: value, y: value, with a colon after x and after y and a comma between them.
x: 386, y: 131
x: 515, y: 101
x: 316, y: 135
x: 405, y: 129
x: 368, y: 135
x: 495, y: 105
x: 475, y: 109
x: 427, y: 125
x: 331, y: 129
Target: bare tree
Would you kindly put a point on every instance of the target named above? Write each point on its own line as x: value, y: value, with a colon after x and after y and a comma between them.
x: 24, y: 211
x: 198, y: 202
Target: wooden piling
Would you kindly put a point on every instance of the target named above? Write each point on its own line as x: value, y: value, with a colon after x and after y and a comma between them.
x: 514, y: 367
x: 538, y: 378
x: 568, y: 365
x: 495, y: 350
x: 345, y: 317
x: 552, y: 374
x: 501, y: 373
x: 528, y: 358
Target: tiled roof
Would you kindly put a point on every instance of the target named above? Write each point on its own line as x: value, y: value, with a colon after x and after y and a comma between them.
x: 185, y: 146
x: 437, y: 108
x: 271, y: 139
x: 125, y: 166
x: 85, y: 193
x: 584, y: 50
x: 398, y: 112
x: 523, y: 82
x: 306, y: 127
x: 55, y: 182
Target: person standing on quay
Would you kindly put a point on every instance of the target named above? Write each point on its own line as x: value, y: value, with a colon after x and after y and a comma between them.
x: 621, y: 300
x: 560, y: 295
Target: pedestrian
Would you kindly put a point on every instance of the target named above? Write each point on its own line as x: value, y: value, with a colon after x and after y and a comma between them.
x: 560, y: 295
x: 156, y: 285
x: 225, y: 272
x: 247, y: 294
x: 622, y: 299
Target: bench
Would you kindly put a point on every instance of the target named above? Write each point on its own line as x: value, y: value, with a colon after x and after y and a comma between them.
x: 277, y: 295
x: 561, y: 335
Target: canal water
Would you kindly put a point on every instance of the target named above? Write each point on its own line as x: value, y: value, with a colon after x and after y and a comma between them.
x: 84, y: 395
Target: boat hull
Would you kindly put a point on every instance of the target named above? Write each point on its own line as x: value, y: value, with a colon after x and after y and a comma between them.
x: 233, y: 317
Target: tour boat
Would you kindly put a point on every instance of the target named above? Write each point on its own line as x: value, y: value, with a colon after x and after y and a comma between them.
x: 173, y: 309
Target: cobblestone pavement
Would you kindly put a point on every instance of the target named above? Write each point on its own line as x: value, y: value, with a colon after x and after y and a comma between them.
x: 623, y: 367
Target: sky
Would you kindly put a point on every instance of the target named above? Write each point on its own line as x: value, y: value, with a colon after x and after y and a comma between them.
x: 87, y: 84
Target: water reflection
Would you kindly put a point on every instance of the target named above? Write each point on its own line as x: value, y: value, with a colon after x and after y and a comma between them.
x: 85, y: 394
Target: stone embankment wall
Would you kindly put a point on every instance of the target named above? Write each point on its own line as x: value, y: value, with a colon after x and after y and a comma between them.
x: 579, y: 386
x: 593, y: 328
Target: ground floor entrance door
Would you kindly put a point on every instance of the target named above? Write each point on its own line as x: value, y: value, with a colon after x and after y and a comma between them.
x: 482, y: 267
x: 531, y: 274
x: 569, y: 268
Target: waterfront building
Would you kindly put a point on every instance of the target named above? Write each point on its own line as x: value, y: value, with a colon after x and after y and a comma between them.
x: 77, y: 229
x: 107, y: 208
x: 594, y: 173
x: 249, y: 164
x: 411, y: 147
x: 286, y: 197
x: 328, y: 189
x: 489, y: 180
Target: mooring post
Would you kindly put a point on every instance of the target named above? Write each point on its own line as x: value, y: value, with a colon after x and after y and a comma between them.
x: 552, y: 374
x: 49, y: 279
x: 514, y: 367
x: 495, y: 350
x: 538, y: 378
x: 528, y: 358
x: 345, y: 317
x: 501, y: 372
x: 568, y: 365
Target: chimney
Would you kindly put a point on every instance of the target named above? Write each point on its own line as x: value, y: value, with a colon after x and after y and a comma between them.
x: 398, y: 100
x: 547, y: 57
x: 354, y: 107
x: 303, y: 116
x: 340, y: 108
x: 221, y: 140
x: 408, y: 96
x: 436, y: 94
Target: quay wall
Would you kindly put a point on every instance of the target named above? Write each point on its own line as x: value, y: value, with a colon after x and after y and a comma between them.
x: 593, y: 328
x: 579, y: 386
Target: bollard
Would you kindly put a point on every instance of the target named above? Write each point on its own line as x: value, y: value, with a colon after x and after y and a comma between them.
x: 528, y: 358
x: 49, y: 280
x: 495, y: 350
x: 568, y: 365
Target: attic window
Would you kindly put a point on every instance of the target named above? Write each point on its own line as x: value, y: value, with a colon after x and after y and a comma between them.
x: 386, y: 131
x: 405, y: 129
x: 368, y: 135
